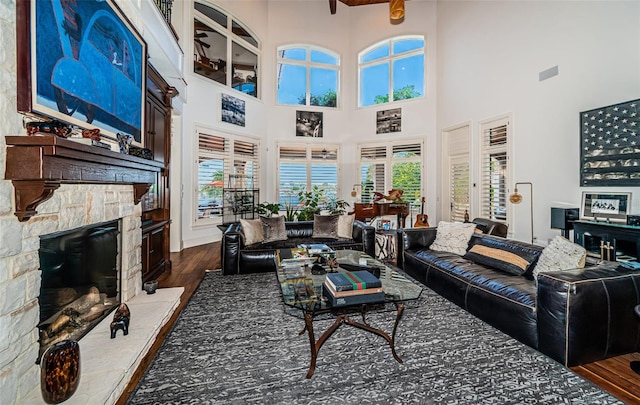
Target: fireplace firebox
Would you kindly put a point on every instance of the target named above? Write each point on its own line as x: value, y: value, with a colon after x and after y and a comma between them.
x: 80, y: 281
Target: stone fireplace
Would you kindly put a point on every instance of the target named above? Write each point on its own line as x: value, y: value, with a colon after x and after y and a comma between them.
x: 72, y: 206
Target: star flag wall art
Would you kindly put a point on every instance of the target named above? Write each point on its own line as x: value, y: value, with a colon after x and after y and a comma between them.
x: 610, y: 145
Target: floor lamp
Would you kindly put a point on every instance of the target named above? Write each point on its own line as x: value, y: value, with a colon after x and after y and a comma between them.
x: 516, y: 198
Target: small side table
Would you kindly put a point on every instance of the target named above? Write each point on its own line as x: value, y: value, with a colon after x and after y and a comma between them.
x: 386, y: 245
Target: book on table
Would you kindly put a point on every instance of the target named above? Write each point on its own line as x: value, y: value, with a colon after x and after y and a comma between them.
x: 352, y: 280
x: 349, y: 293
x: 355, y: 299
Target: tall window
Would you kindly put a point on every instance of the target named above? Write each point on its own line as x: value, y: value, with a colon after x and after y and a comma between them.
x: 308, y: 75
x: 224, y: 50
x: 223, y: 162
x: 302, y: 167
x: 391, y: 166
x: 391, y: 70
x: 495, y: 169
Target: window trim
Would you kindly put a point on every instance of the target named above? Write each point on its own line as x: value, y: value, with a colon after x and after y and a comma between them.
x: 309, y: 146
x: 389, y: 59
x: 308, y: 64
x: 389, y: 160
x: 231, y: 37
x: 507, y: 148
x: 229, y: 158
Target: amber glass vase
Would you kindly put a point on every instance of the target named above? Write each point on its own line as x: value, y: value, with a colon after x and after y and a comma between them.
x: 60, y: 371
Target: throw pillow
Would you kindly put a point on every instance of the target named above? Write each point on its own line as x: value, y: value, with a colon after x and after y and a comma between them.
x: 502, y: 255
x: 345, y: 226
x: 560, y: 254
x: 453, y: 237
x: 252, y: 231
x: 273, y: 228
x: 325, y: 226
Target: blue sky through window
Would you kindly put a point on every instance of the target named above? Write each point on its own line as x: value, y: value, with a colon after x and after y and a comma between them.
x: 406, y: 61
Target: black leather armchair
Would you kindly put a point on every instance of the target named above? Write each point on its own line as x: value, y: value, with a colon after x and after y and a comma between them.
x: 239, y: 258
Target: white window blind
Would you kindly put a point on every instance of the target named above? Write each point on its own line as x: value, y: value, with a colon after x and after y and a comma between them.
x: 389, y: 166
x: 494, y: 169
x: 459, y: 189
x: 223, y: 162
x: 406, y: 171
x: 302, y: 167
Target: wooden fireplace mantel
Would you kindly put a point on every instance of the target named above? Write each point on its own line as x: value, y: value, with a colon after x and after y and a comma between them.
x: 37, y: 165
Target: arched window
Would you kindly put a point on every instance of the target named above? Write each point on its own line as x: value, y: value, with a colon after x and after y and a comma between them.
x: 217, y: 39
x: 391, y: 70
x: 308, y: 75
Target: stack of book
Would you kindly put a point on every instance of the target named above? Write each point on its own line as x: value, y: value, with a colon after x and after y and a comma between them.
x: 352, y: 288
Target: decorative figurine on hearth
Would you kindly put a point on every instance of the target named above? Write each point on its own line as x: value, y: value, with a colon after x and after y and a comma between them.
x: 121, y: 320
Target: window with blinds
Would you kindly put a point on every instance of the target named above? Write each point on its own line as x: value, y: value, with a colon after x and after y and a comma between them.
x: 494, y: 169
x: 223, y: 162
x: 459, y: 197
x: 300, y: 168
x: 391, y: 166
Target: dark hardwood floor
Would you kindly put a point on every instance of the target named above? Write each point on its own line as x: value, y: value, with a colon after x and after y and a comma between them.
x: 188, y: 269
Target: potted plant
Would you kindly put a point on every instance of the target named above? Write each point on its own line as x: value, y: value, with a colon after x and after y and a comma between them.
x: 268, y: 209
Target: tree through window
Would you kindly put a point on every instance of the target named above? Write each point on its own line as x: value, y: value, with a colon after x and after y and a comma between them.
x: 307, y: 75
x: 392, y: 70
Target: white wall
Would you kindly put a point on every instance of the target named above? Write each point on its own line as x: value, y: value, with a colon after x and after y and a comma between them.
x: 203, y: 110
x: 282, y: 22
x: 482, y: 60
x: 489, y: 57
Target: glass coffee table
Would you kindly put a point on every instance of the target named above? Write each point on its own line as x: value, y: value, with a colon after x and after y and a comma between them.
x: 303, y: 297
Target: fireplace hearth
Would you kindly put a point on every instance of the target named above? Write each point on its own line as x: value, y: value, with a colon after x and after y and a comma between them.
x: 80, y: 281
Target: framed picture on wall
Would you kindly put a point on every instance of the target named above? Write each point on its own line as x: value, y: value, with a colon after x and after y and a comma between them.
x: 610, y: 145
x: 309, y: 123
x: 389, y: 121
x: 233, y: 110
x: 81, y: 62
x: 606, y: 206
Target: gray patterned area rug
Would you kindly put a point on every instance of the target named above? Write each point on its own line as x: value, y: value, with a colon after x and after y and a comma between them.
x: 235, y: 344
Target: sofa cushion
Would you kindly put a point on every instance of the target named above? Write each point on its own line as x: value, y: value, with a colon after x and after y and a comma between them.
x: 325, y: 226
x: 252, y: 231
x: 273, y: 228
x: 560, y: 254
x: 502, y: 255
x: 453, y: 237
x: 345, y: 226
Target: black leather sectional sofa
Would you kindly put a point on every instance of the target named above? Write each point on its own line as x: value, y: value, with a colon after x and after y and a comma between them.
x: 573, y: 316
x: 238, y: 258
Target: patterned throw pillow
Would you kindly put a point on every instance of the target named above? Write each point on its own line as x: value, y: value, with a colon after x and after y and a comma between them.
x: 273, y: 228
x: 252, y: 230
x: 345, y: 226
x: 560, y: 254
x: 325, y: 226
x: 502, y: 255
x: 453, y: 237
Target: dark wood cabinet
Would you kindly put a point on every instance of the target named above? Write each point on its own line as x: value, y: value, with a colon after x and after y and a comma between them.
x: 155, y: 260
x: 156, y: 212
x: 608, y: 241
